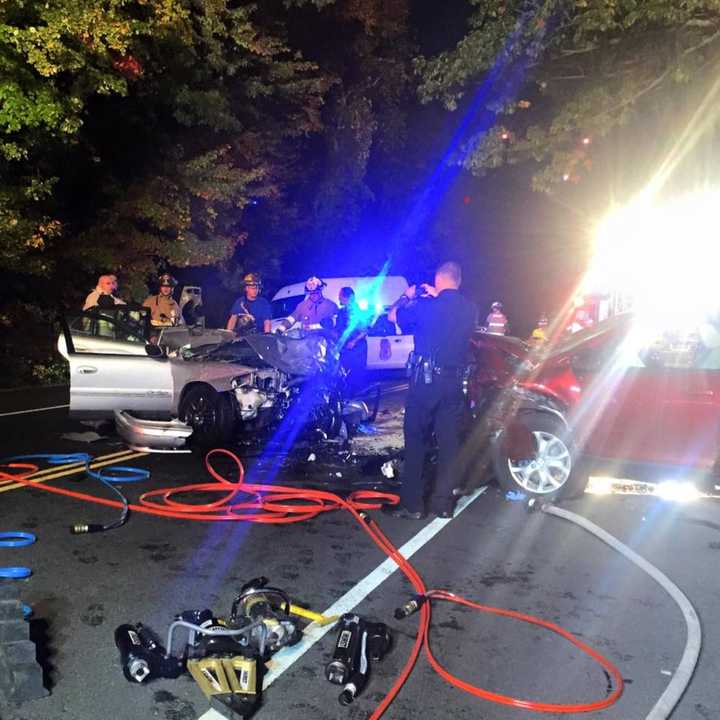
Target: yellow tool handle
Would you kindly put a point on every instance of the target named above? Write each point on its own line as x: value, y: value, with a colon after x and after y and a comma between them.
x: 310, y: 615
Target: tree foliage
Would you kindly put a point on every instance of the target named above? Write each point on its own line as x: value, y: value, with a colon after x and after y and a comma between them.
x: 135, y: 132
x: 558, y: 76
x: 138, y: 135
x: 365, y: 118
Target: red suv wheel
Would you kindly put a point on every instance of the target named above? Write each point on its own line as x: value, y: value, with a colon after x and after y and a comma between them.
x: 536, y: 456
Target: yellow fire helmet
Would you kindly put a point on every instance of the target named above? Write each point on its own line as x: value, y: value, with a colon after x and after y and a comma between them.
x: 252, y: 279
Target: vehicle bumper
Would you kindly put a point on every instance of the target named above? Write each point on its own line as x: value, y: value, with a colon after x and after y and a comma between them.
x: 163, y: 436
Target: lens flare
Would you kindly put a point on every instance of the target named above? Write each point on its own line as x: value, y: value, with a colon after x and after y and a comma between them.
x: 664, y: 256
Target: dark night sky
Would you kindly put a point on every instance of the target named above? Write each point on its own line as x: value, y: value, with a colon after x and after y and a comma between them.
x: 524, y: 248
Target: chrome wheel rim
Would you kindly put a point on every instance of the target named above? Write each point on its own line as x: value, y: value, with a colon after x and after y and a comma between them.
x: 200, y: 414
x: 548, y: 470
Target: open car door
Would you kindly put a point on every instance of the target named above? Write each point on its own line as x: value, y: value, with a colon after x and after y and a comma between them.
x: 110, y: 368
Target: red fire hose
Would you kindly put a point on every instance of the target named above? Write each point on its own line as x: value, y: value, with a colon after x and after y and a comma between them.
x: 277, y: 504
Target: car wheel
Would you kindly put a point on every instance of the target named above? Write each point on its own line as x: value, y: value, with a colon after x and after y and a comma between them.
x: 331, y: 418
x: 536, y: 456
x: 209, y: 414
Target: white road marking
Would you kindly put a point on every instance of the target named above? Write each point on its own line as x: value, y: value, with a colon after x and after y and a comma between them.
x: 286, y: 657
x: 34, y: 410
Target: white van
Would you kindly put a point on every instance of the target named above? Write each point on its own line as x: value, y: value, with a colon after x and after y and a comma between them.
x: 388, y: 348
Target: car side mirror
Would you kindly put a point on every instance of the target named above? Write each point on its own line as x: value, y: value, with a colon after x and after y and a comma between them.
x: 154, y: 351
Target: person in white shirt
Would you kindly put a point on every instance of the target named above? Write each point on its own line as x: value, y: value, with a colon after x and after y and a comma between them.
x: 104, y: 293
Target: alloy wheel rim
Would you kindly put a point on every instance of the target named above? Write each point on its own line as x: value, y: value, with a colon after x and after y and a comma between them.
x: 200, y: 414
x: 548, y: 470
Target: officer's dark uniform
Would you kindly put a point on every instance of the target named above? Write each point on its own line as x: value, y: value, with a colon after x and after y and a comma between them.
x: 442, y: 327
x: 349, y: 324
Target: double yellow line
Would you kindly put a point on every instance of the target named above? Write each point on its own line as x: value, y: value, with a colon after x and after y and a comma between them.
x: 59, y: 471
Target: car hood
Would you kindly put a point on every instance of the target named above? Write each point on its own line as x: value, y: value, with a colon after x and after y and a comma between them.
x: 295, y: 356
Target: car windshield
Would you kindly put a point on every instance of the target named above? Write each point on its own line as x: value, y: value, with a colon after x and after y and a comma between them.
x: 284, y: 307
x: 237, y: 351
x: 565, y: 345
x: 696, y: 346
x: 295, y: 356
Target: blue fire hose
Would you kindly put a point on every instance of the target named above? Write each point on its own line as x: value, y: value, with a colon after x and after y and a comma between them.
x: 14, y: 539
x: 108, y: 476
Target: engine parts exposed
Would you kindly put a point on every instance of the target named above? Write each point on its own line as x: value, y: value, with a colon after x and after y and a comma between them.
x: 297, y: 381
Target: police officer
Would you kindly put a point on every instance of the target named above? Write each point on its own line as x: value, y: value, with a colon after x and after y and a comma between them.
x: 251, y: 313
x: 351, y: 331
x: 443, y: 323
x: 164, y: 311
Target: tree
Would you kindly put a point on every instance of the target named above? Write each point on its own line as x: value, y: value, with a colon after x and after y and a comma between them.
x: 355, y: 176
x: 556, y: 77
x: 54, y: 56
x: 136, y: 132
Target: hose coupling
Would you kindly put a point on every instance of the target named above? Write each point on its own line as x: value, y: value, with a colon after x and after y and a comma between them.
x: 84, y: 528
x: 410, y: 607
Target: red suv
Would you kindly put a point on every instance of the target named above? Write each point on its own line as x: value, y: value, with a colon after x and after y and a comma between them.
x: 605, y: 401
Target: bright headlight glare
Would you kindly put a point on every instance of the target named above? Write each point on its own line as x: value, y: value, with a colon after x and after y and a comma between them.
x: 664, y: 256
x: 599, y: 485
x: 677, y: 491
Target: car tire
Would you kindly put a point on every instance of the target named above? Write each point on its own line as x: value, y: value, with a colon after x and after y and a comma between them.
x: 333, y: 419
x: 210, y: 414
x: 536, y: 456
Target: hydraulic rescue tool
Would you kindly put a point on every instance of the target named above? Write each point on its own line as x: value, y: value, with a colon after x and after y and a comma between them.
x: 225, y: 656
x: 272, y: 607
x: 141, y: 655
x: 358, y: 639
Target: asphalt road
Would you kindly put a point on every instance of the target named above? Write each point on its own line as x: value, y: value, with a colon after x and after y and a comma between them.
x: 494, y: 552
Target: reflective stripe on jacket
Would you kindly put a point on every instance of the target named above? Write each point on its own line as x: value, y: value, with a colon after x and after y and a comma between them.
x: 496, y: 323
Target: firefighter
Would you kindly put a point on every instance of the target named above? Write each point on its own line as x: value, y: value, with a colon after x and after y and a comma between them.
x: 497, y: 321
x: 164, y: 311
x: 581, y: 320
x: 315, y: 312
x: 104, y: 293
x: 443, y: 322
x: 538, y: 337
x: 251, y: 313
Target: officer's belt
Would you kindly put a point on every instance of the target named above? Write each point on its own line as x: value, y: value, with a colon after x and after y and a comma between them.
x: 449, y: 370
